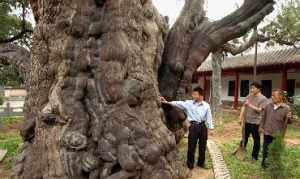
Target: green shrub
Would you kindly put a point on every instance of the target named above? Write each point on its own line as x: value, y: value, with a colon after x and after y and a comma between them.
x: 276, y: 168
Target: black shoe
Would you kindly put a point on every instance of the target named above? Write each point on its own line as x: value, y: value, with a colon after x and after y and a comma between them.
x: 190, y: 167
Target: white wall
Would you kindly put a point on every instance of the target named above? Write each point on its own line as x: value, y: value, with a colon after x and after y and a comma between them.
x: 15, y: 98
x: 14, y: 92
x: 13, y: 103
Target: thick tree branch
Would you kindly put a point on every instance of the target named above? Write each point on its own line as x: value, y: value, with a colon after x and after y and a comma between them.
x: 34, y: 7
x: 213, y: 35
x: 234, y: 50
x: 177, y: 46
x: 16, y: 37
x: 180, y: 63
x: 240, y: 21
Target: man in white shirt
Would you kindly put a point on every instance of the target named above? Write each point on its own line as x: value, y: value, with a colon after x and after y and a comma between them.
x: 199, y: 115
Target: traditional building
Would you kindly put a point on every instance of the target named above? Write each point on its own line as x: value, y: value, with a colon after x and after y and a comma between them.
x: 275, y: 69
x: 14, y: 101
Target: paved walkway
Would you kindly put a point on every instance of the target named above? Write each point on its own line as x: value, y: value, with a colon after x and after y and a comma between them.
x: 219, y: 165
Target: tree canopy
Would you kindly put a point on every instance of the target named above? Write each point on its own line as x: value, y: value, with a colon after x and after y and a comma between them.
x: 14, y: 23
x: 14, y: 28
x: 9, y: 75
x: 284, y: 29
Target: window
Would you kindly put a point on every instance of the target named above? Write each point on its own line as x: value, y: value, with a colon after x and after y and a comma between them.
x: 230, y: 88
x: 244, y: 88
x: 267, y: 88
x: 291, y: 87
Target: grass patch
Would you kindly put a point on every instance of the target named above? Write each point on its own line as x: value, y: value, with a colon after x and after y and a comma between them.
x: 8, y: 121
x: 246, y: 169
x: 229, y: 117
x: 219, y: 128
x: 293, y: 130
x: 11, y: 143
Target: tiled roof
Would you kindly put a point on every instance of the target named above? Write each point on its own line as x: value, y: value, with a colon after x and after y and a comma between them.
x: 277, y: 57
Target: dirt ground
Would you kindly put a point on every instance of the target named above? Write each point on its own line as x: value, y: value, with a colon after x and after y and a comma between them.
x: 233, y: 131
x: 199, y: 173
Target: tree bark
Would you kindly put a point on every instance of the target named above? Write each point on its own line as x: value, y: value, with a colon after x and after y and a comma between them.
x: 92, y: 109
x: 216, y: 102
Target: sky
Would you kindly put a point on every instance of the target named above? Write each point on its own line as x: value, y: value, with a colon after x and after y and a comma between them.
x: 216, y: 9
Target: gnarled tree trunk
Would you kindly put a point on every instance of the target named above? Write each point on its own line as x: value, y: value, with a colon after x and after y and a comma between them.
x: 92, y: 109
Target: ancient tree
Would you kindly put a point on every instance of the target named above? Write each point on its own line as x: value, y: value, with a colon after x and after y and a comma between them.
x: 96, y: 70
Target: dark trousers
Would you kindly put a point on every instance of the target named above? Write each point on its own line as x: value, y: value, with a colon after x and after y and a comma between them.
x: 197, y: 134
x: 253, y: 129
x: 267, y: 141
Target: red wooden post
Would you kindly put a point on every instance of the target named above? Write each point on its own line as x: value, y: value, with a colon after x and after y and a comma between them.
x: 284, y: 79
x: 236, y: 91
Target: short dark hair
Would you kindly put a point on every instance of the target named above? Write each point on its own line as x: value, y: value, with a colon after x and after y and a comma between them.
x: 199, y: 90
x: 257, y: 85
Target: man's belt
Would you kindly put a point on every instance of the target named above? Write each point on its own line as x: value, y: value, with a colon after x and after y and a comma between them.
x: 196, y: 122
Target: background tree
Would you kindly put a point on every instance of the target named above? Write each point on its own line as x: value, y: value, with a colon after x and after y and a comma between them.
x: 92, y: 109
x: 284, y: 29
x: 216, y: 82
x: 14, y: 64
x: 14, y: 28
x: 9, y: 76
x: 14, y: 23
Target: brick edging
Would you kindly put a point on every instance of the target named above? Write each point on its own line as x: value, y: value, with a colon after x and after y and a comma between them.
x: 219, y: 166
